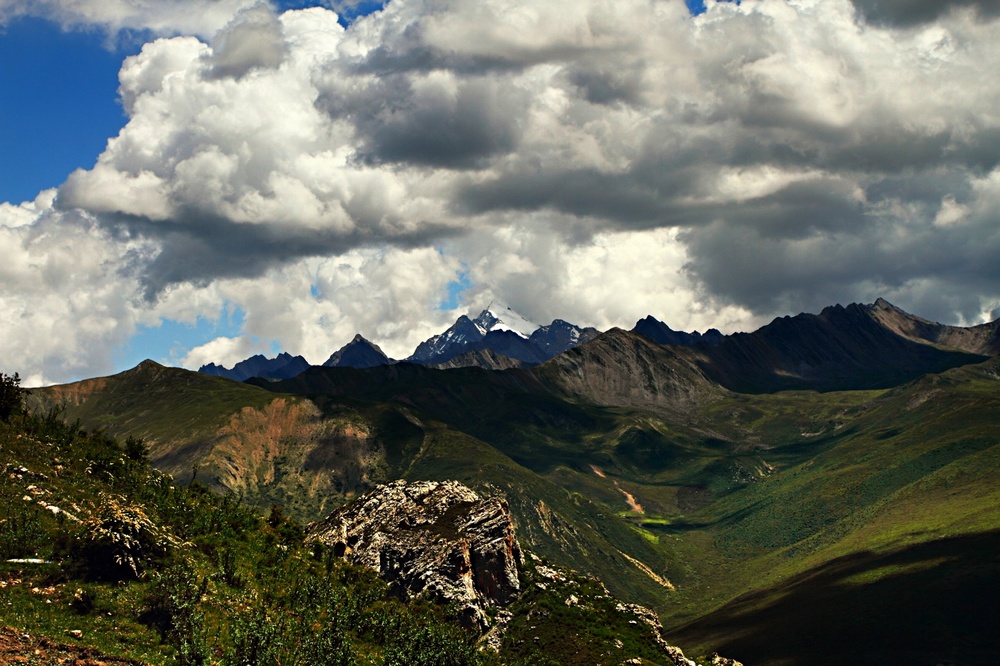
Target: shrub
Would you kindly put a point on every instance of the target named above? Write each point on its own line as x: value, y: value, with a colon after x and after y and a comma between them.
x: 173, y: 607
x: 119, y: 540
x: 136, y: 449
x: 21, y: 531
x: 11, y: 396
x: 256, y: 639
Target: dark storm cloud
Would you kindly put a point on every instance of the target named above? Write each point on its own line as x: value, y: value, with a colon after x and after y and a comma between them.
x: 914, y: 12
x: 878, y: 254
x: 617, y: 198
x: 446, y: 123
x: 200, y: 247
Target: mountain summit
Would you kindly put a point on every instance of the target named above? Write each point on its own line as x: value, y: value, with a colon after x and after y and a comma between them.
x: 653, y: 329
x: 358, y: 353
x: 499, y: 331
x: 499, y: 317
x: 466, y: 335
x: 283, y: 366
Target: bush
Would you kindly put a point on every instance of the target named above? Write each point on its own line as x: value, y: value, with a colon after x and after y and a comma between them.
x: 11, y: 396
x: 256, y: 639
x: 21, y: 531
x: 173, y: 607
x: 119, y: 541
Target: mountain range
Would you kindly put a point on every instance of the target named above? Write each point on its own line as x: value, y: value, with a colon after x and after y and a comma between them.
x: 858, y: 346
x: 758, y: 490
x: 497, y: 338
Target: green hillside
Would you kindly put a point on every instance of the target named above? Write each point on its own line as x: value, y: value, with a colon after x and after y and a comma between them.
x: 882, y: 525
x: 104, y: 560
x: 757, y: 525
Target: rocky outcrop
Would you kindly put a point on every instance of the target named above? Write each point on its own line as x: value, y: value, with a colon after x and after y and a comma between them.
x: 441, y: 540
x: 983, y: 339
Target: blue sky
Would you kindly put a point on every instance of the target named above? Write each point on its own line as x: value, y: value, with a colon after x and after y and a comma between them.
x: 59, y: 104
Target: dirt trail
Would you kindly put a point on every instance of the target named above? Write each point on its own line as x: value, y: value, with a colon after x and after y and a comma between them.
x: 17, y: 647
x: 629, y: 497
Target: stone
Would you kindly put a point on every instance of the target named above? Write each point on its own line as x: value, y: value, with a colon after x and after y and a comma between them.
x: 435, y: 539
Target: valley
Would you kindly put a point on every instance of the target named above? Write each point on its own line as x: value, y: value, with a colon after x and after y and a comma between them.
x: 763, y: 524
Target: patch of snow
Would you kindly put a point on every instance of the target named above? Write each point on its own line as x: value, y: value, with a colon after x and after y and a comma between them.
x: 500, y: 317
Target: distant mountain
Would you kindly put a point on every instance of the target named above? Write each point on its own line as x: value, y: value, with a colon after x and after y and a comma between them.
x: 982, y: 339
x: 283, y: 366
x: 622, y: 368
x: 449, y: 344
x: 358, y: 353
x: 841, y: 348
x: 480, y: 358
x: 561, y: 336
x: 504, y: 332
x: 499, y: 317
x: 653, y: 329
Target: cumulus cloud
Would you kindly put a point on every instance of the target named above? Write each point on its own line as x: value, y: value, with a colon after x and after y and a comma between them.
x: 250, y: 41
x: 173, y: 17
x: 580, y: 160
x: 223, y: 351
x: 67, y: 300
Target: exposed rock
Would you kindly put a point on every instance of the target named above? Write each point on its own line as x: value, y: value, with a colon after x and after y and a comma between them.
x: 982, y: 339
x: 481, y: 358
x: 619, y: 368
x: 649, y: 618
x: 441, y: 540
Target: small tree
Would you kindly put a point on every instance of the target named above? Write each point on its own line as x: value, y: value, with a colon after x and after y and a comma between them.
x: 11, y: 396
x: 136, y: 449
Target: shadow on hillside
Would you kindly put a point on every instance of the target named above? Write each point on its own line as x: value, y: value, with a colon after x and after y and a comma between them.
x: 932, y: 603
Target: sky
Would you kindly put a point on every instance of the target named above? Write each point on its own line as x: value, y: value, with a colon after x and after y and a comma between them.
x: 196, y: 182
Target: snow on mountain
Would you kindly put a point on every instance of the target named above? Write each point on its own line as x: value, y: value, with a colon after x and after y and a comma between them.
x: 450, y: 343
x: 500, y: 317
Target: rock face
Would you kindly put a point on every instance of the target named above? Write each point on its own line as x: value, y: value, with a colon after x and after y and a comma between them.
x: 441, y: 540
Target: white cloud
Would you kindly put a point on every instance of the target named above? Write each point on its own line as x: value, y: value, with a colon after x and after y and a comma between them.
x: 161, y: 17
x: 67, y: 299
x: 585, y: 161
x: 223, y: 351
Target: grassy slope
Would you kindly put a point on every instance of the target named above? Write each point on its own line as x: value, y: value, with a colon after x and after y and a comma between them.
x: 234, y: 588
x: 777, y: 517
x: 883, y: 523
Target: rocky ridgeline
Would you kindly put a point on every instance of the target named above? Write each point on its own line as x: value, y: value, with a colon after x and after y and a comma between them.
x: 440, y: 540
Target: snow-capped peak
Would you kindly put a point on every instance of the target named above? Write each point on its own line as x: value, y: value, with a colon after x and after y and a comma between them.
x: 499, y: 317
